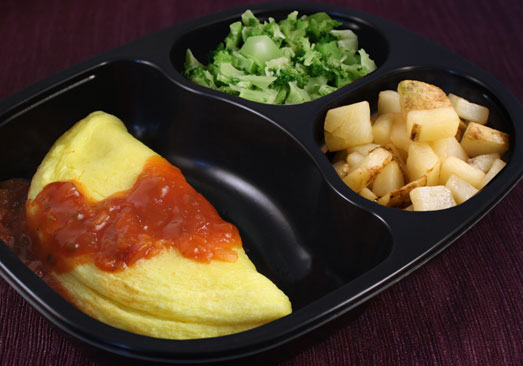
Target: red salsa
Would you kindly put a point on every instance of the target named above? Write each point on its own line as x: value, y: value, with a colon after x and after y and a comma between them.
x: 13, y: 194
x: 160, y: 211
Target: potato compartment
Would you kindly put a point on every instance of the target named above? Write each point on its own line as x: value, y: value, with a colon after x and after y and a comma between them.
x: 450, y: 81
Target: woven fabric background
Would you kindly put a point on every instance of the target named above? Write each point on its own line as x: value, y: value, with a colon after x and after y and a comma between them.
x: 462, y: 308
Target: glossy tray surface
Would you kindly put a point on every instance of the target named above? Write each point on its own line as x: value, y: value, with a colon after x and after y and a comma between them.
x: 262, y: 167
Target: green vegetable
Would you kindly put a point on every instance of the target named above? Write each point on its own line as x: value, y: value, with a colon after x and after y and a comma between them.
x: 294, y: 61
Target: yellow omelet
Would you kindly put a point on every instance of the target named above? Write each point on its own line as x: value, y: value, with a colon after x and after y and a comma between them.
x: 166, y: 295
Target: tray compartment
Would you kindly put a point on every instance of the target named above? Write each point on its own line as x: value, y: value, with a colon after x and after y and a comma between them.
x: 136, y: 92
x: 450, y: 81
x: 257, y: 175
x: 265, y: 182
x: 202, y: 39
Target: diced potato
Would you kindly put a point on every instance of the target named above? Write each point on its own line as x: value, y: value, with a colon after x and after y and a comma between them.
x: 368, y: 194
x: 480, y: 140
x: 432, y: 124
x: 469, y: 111
x: 382, y: 128
x: 461, y: 190
x: 496, y: 167
x: 431, y: 198
x: 458, y: 167
x: 398, y: 135
x: 417, y: 95
x: 388, y: 102
x: 448, y: 147
x: 422, y: 161
x: 399, y: 156
x: 461, y: 128
x: 389, y: 179
x: 368, y: 169
x: 341, y: 167
x: 354, y: 160
x: 401, y: 197
x: 334, y: 142
x: 420, y: 136
x: 362, y: 149
x: 484, y: 162
x: 348, y: 126
x: 427, y: 111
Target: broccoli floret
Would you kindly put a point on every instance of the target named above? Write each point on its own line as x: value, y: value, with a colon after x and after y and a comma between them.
x: 234, y: 37
x: 201, y: 76
x: 249, y: 20
x: 263, y: 96
x: 346, y: 38
x: 285, y: 76
x: 222, y: 56
x: 296, y: 95
x: 293, y: 28
x: 191, y: 62
x: 320, y: 25
x: 243, y: 63
x: 366, y: 62
x: 259, y: 81
x: 330, y: 49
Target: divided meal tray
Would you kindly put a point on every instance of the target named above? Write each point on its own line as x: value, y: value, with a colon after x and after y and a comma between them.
x: 262, y: 167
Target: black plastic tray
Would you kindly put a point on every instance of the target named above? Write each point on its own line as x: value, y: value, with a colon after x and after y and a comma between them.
x: 262, y: 167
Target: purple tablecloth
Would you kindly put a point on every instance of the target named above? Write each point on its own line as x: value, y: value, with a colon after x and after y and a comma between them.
x: 462, y: 308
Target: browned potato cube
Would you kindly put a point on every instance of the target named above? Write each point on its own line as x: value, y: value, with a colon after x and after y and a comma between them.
x: 461, y: 190
x: 468, y: 173
x: 388, y: 102
x: 400, y: 197
x: 469, y: 111
x: 480, y: 140
x: 389, y: 179
x: 484, y: 162
x: 341, y: 167
x: 417, y: 95
x: 431, y: 198
x: 427, y: 111
x: 461, y: 128
x: 422, y: 161
x: 348, y: 126
x: 354, y: 160
x: 448, y: 147
x: 398, y: 135
x: 368, y: 194
x: 382, y: 128
x: 364, y: 149
x: 368, y: 169
x: 496, y: 167
x: 432, y: 124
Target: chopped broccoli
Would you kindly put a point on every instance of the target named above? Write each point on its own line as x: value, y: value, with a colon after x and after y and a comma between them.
x: 233, y: 39
x: 299, y: 59
x: 296, y: 95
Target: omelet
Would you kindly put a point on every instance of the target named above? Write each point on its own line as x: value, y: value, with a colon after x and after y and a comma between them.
x: 167, y: 295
